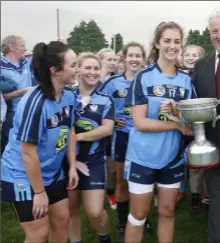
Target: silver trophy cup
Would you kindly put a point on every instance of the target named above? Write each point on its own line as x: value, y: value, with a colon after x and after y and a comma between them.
x: 202, y: 153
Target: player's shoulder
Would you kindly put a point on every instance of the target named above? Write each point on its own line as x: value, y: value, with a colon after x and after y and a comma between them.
x: 147, y: 70
x: 103, y: 96
x: 112, y: 80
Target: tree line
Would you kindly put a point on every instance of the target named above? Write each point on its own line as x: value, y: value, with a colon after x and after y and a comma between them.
x: 88, y: 36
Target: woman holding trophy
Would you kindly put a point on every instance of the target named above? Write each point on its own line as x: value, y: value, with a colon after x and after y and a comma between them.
x: 153, y: 154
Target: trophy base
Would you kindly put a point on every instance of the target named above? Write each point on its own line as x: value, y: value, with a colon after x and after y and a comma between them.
x: 202, y: 154
x: 210, y: 165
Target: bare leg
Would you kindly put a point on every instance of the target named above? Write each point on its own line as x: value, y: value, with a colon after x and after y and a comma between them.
x: 59, y: 219
x: 36, y: 231
x: 75, y: 222
x: 93, y: 201
x: 166, y: 210
x: 139, y: 208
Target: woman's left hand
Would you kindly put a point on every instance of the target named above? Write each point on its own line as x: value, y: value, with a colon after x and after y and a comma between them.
x: 168, y: 107
x: 73, y: 178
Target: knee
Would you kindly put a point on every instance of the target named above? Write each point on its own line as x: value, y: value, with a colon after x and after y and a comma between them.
x: 39, y: 234
x: 96, y: 214
x: 137, y: 219
x: 166, y: 211
x: 139, y: 215
x: 61, y: 219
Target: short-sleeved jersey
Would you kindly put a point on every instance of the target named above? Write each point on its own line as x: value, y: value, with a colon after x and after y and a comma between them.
x: 100, y: 107
x: 15, y: 77
x: 44, y: 123
x: 150, y: 87
x: 117, y: 86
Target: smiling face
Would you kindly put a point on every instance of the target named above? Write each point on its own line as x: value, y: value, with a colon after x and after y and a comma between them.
x: 169, y: 45
x: 67, y: 75
x: 214, y: 27
x: 89, y: 71
x: 190, y: 56
x: 134, y: 59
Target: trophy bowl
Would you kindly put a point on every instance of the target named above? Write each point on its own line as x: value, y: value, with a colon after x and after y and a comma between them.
x: 201, y: 152
x: 198, y: 110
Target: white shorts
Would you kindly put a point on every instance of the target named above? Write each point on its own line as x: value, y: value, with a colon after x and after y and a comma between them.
x: 137, y: 188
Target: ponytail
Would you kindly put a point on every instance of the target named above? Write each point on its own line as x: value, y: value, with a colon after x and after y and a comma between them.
x: 153, y: 55
x: 44, y: 57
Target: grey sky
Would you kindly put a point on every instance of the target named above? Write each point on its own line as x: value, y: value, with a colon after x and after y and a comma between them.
x: 36, y: 20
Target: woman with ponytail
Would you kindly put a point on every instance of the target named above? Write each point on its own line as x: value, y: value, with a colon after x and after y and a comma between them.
x: 32, y: 178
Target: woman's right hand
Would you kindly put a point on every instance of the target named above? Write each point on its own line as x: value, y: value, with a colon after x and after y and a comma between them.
x: 120, y: 122
x: 40, y: 205
x: 187, y: 130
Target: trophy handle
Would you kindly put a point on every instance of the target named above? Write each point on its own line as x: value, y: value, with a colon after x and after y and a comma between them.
x: 215, y: 120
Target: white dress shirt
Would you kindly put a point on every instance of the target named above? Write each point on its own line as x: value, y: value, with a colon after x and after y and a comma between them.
x: 216, y: 60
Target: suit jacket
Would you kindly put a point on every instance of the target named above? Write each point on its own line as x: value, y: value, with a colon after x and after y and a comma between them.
x: 205, y: 86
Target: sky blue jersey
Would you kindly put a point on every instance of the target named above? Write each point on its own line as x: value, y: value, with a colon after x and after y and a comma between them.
x: 117, y: 86
x: 101, y: 106
x: 15, y: 76
x: 156, y: 149
x: 45, y: 123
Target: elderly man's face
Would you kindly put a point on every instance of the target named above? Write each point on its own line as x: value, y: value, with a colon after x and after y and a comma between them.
x: 214, y: 26
x: 18, y: 48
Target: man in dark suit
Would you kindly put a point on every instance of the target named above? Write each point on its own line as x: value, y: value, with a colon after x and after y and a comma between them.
x: 206, y: 80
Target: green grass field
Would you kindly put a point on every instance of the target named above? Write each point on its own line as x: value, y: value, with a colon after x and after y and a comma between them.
x: 190, y: 228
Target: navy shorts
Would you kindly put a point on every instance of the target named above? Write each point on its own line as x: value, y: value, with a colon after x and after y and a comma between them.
x: 121, y: 143
x: 97, y: 170
x: 21, y: 197
x: 147, y: 176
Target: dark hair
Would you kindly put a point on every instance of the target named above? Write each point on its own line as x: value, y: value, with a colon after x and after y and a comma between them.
x: 44, y: 57
x: 154, y: 52
x: 133, y: 44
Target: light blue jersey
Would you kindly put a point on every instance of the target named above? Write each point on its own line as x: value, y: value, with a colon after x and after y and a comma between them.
x: 15, y: 76
x: 44, y: 123
x: 150, y: 87
x: 100, y: 107
x: 117, y: 86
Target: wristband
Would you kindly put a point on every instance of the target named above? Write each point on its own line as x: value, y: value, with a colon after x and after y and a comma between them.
x: 39, y: 192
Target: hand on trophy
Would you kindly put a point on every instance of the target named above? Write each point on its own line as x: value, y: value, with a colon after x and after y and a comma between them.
x: 187, y: 130
x: 168, y: 106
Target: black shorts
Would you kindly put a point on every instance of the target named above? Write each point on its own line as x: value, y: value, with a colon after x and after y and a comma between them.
x: 121, y: 144
x: 21, y: 197
x: 108, y: 146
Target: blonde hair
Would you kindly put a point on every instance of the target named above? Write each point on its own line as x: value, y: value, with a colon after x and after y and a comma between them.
x: 9, y: 40
x: 101, y: 53
x: 201, y: 50
x: 88, y: 55
x: 154, y: 52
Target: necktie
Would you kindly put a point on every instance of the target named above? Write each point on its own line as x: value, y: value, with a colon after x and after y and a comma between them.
x: 217, y: 77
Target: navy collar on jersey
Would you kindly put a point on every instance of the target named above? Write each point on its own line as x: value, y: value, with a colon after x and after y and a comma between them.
x: 92, y: 93
x: 160, y: 70
x: 7, y: 64
x: 124, y: 75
